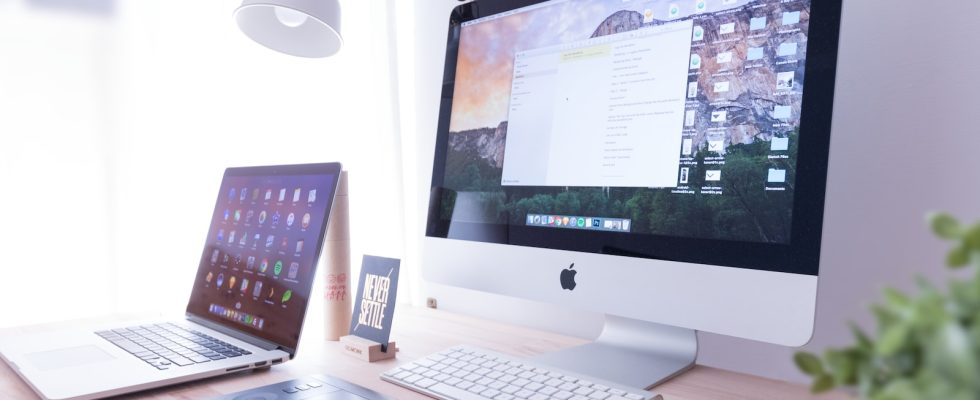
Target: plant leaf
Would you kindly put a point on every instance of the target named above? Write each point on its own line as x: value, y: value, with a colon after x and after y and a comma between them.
x: 843, y: 365
x: 822, y: 384
x: 972, y: 237
x: 808, y: 363
x: 945, y: 226
x: 896, y: 298
x: 863, y: 341
x: 958, y: 257
x: 892, y: 339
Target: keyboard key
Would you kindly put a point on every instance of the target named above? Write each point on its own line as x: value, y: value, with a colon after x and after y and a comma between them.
x: 181, y: 361
x: 453, y: 392
x: 583, y: 391
x: 548, y: 391
x: 563, y: 395
x: 402, y: 375
x: 425, y: 383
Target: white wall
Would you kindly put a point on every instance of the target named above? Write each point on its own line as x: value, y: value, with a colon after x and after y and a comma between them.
x: 200, y: 96
x: 54, y: 166
x: 115, y: 129
x: 904, y: 142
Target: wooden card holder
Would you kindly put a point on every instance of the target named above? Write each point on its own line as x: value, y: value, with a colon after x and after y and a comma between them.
x: 366, y: 350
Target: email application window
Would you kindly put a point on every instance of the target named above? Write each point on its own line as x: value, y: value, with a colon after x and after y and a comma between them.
x: 602, y: 112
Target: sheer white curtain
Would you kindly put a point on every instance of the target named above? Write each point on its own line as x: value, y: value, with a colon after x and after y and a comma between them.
x: 110, y: 166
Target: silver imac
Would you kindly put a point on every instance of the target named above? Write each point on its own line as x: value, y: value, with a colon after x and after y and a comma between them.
x: 663, y: 162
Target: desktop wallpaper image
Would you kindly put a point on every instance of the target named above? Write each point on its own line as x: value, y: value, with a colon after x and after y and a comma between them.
x: 739, y: 207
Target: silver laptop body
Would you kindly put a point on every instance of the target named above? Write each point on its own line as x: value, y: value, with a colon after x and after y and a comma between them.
x: 102, y: 360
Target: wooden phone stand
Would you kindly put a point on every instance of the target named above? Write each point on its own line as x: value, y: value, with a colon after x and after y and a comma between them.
x: 366, y: 350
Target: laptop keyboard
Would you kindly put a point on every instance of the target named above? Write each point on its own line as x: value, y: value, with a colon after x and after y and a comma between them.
x: 167, y: 345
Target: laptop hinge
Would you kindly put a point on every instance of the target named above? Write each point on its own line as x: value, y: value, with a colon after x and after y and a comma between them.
x: 252, y: 340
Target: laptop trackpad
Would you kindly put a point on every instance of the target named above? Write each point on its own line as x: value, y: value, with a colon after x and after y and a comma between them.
x: 68, y: 357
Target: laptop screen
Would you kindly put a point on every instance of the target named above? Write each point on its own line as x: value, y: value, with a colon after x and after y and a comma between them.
x: 259, y: 261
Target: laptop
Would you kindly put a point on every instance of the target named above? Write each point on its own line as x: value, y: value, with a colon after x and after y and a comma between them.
x: 247, y: 305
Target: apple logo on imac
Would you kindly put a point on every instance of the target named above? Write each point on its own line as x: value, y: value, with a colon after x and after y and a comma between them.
x: 568, y: 277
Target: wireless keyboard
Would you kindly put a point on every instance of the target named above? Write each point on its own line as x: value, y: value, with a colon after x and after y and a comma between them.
x: 469, y: 373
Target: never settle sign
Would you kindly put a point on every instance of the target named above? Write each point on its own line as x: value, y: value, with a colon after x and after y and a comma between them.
x: 375, y: 301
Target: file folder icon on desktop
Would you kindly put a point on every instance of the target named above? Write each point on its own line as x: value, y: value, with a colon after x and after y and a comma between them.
x: 777, y: 175
x: 779, y: 144
x: 790, y: 18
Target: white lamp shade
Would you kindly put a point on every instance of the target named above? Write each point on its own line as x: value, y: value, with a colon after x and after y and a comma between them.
x: 303, y: 28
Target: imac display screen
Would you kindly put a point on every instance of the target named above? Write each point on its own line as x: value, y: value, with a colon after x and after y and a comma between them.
x: 610, y: 126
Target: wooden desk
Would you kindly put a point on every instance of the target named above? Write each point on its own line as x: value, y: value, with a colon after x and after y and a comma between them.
x: 420, y: 332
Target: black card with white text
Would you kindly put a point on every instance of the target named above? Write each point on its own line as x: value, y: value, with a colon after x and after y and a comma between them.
x: 374, y: 306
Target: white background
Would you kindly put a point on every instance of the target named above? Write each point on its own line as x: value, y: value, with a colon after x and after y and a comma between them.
x: 114, y: 130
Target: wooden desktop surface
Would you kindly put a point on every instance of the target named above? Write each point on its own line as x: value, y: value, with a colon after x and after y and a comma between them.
x: 420, y: 332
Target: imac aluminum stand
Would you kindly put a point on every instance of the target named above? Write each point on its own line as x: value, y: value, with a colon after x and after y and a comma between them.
x: 630, y: 352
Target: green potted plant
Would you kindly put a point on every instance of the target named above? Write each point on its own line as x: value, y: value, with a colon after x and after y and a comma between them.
x: 927, y: 344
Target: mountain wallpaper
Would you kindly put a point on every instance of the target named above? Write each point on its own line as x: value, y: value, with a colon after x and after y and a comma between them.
x: 737, y: 208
